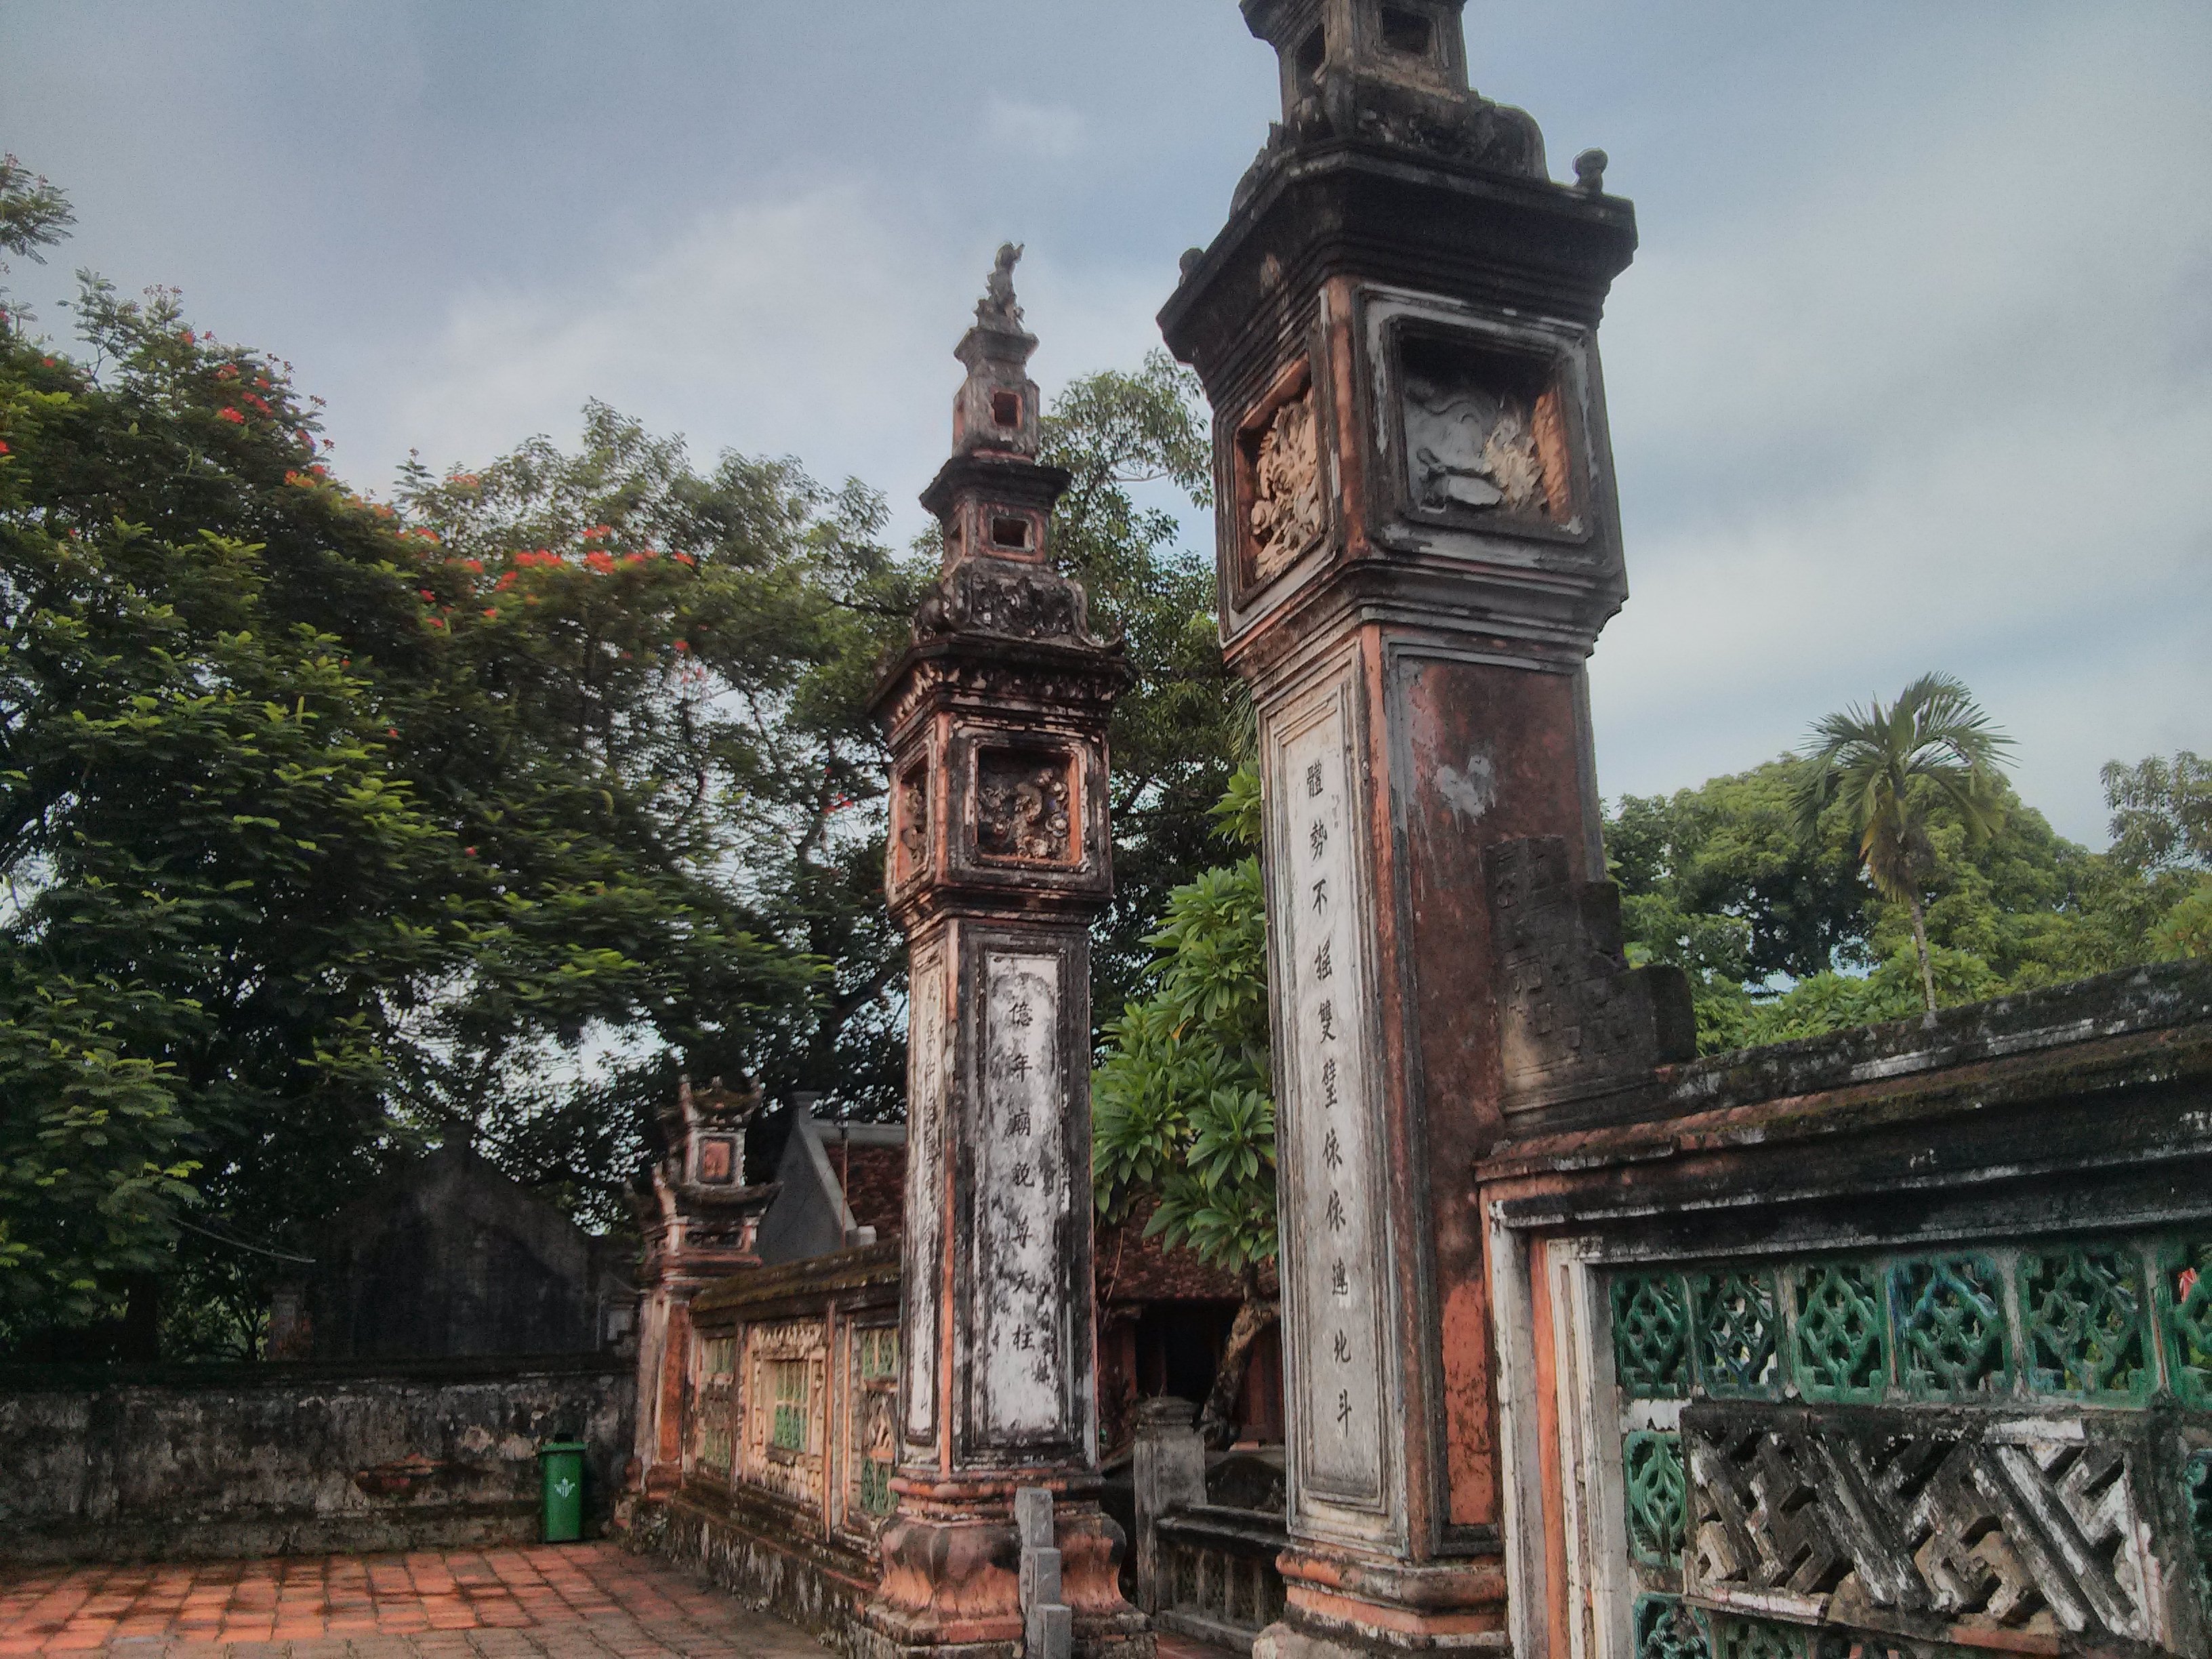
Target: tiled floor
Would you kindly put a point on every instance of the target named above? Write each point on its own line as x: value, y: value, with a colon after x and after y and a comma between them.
x: 559, y: 1602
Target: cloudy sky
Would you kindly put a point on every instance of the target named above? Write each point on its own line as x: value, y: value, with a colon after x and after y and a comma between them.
x: 1913, y: 371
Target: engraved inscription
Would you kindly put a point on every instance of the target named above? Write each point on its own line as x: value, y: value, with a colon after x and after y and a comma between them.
x: 1022, y: 1198
x: 925, y: 1191
x: 1286, y: 508
x: 1022, y: 801
x: 1330, y: 1246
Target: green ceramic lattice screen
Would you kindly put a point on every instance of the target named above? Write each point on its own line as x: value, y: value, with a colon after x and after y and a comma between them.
x: 874, y: 1408
x: 2107, y: 1326
x: 787, y: 1426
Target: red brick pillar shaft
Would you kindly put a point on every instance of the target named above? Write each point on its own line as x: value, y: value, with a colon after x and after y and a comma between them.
x: 999, y: 860
x: 1419, y: 544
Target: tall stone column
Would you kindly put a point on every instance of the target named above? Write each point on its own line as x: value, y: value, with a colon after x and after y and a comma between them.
x: 1417, y: 546
x: 999, y: 860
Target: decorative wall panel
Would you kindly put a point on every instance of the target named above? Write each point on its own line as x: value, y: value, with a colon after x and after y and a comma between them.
x: 1918, y: 1455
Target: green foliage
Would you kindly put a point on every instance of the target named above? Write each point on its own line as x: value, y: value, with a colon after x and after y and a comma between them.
x: 1182, y: 723
x: 698, y: 649
x: 1782, y: 939
x: 90, y: 1171
x: 2161, y: 813
x: 33, y: 217
x: 1182, y: 1108
x: 333, y: 827
x: 314, y: 823
x: 1890, y: 767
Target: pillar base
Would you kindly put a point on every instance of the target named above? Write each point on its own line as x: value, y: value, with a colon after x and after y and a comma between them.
x: 1339, y: 1604
x: 951, y: 1588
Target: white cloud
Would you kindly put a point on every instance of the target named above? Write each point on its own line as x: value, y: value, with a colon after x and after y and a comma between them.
x: 1053, y: 131
x: 819, y: 324
x: 1939, y: 401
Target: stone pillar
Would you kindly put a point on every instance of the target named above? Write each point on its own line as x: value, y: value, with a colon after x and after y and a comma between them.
x: 999, y: 860
x: 699, y: 1223
x: 1417, y: 546
x: 1167, y: 1468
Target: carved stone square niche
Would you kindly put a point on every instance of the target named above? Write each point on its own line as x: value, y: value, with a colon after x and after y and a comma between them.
x: 1028, y: 808
x: 1483, y: 434
x: 718, y: 1158
x: 1281, y: 509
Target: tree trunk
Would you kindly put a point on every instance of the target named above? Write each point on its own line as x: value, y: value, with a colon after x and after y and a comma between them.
x: 1927, y: 973
x: 1253, y: 1315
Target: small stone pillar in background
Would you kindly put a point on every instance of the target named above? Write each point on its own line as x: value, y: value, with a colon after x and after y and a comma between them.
x: 1167, y: 1467
x: 1419, y: 543
x: 999, y: 860
x: 699, y: 1223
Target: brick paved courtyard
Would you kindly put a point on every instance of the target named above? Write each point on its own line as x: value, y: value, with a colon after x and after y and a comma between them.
x: 562, y: 1601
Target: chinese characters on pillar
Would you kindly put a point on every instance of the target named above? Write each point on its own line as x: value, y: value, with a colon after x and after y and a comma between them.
x: 1329, y: 1248
x: 925, y: 1181
x: 1023, y: 1300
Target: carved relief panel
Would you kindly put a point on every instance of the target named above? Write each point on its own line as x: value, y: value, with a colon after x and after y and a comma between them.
x: 1335, y: 1290
x: 1483, y: 431
x: 910, y: 853
x: 1281, y: 502
x: 1026, y: 806
x: 787, y: 1406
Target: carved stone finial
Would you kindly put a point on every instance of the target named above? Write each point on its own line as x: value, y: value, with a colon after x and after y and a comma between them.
x: 1589, y: 172
x: 997, y: 306
x: 1389, y: 72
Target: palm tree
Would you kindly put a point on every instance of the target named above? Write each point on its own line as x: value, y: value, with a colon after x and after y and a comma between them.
x: 1891, y: 767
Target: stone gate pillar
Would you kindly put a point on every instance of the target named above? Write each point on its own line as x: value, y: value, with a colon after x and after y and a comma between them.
x: 998, y: 859
x: 1417, y: 546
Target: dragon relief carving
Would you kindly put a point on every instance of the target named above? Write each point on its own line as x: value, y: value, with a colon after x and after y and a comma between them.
x: 1022, y: 807
x: 1286, y: 503
x: 1469, y: 448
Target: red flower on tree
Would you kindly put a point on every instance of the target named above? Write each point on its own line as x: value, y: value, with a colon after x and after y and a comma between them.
x: 230, y: 415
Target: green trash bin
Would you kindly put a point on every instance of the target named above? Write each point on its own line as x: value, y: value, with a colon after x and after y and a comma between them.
x: 561, y: 1464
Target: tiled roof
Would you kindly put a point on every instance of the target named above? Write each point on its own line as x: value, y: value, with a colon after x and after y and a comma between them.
x: 875, y: 1184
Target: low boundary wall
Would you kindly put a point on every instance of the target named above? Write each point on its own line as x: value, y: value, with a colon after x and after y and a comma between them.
x: 786, y: 1403
x: 181, y: 1461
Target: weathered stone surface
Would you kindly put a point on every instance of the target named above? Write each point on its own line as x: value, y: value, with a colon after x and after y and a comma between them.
x: 225, y: 1461
x: 1897, y: 1345
x: 448, y: 1258
x: 1884, y: 1518
x: 996, y: 716
x: 1337, y: 1374
x: 1577, y: 1022
x: 1169, y: 1467
x: 1398, y: 271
